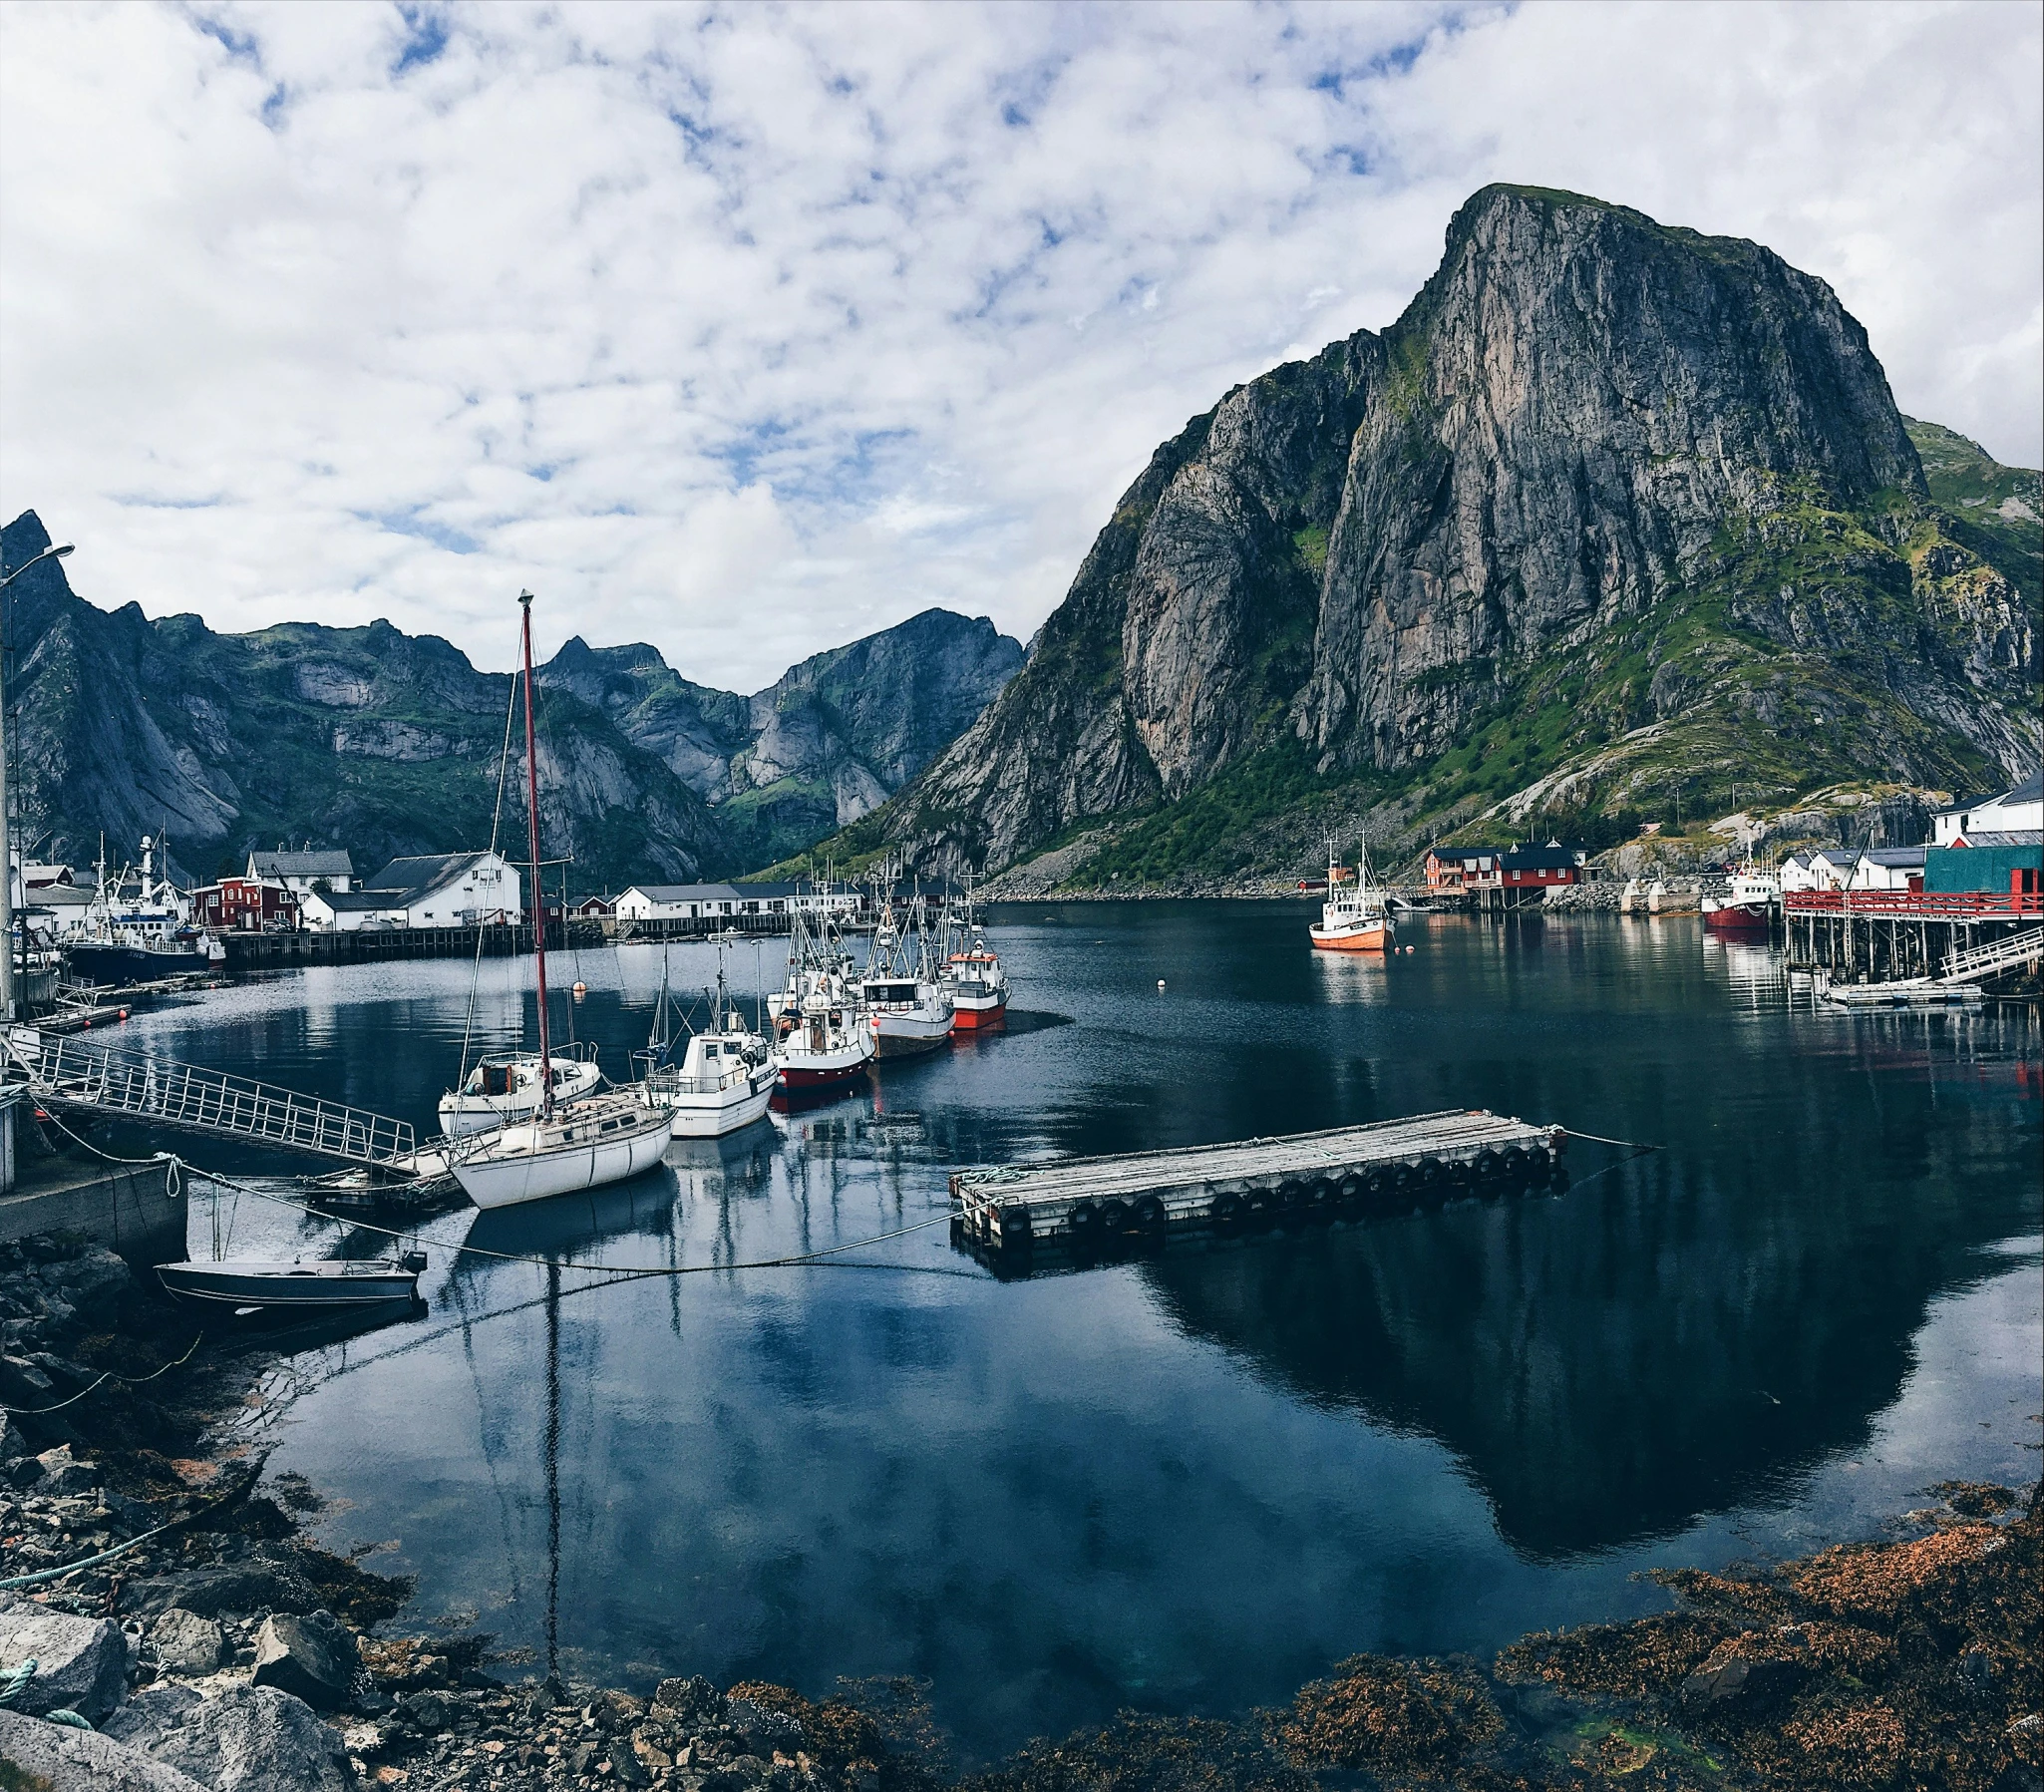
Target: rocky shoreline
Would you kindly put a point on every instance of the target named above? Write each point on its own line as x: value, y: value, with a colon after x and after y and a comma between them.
x: 188, y: 1637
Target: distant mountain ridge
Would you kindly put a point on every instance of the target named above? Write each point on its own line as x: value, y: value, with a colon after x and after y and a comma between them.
x: 388, y: 744
x: 1613, y: 517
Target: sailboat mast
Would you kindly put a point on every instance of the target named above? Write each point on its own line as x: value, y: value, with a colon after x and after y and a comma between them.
x: 539, y: 898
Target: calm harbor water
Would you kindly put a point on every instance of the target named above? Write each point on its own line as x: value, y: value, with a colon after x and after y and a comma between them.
x: 1193, y: 1482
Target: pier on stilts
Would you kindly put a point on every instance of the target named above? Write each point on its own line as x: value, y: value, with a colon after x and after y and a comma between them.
x: 119, y: 1083
x: 1894, y: 936
x: 1391, y: 1167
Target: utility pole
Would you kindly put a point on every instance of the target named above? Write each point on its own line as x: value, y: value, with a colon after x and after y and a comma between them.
x: 6, y: 828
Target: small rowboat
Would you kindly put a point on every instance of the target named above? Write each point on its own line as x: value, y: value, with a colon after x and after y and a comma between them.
x: 323, y: 1284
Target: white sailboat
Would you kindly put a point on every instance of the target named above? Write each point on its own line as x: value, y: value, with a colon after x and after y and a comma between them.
x: 505, y: 1086
x: 725, y: 1076
x: 557, y: 1151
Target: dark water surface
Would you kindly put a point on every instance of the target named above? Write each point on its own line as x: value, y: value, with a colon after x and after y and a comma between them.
x: 1188, y: 1482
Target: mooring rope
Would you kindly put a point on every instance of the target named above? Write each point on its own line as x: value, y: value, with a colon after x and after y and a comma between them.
x: 120, y: 1548
x: 128, y: 1380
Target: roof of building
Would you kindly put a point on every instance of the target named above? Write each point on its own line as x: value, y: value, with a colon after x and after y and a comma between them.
x: 1552, y: 857
x: 356, y: 901
x: 61, y: 895
x: 685, y: 892
x: 1837, y: 854
x: 2031, y: 790
x: 425, y: 873
x: 2003, y: 836
x: 1894, y: 858
x: 303, y: 864
x: 1463, y: 854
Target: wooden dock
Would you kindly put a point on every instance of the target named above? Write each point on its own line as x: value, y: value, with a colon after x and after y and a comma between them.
x: 1391, y: 1167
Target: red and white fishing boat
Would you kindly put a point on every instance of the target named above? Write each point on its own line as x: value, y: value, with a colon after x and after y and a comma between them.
x: 1355, y: 916
x: 973, y: 978
x: 823, y: 1034
x: 1748, y: 909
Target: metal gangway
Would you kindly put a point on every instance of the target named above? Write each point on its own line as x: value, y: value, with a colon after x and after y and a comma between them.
x: 114, y: 1081
x: 1991, y: 955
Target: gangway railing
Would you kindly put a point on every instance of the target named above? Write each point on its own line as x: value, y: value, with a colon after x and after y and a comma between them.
x: 115, y: 1080
x: 1991, y: 955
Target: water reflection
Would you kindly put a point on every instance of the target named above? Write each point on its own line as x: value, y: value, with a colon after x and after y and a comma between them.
x: 1191, y: 1481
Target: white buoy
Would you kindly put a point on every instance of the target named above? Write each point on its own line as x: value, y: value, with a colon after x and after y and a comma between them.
x: 581, y: 989
x: 1160, y: 982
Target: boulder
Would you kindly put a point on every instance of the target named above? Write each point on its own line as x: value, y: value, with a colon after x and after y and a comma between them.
x: 228, y: 1586
x: 693, y: 1700
x: 61, y: 1759
x: 428, y: 1711
x: 150, y: 1716
x: 188, y: 1643
x: 23, y: 1384
x: 258, y: 1740
x: 13, y: 1445
x: 81, y: 1662
x: 313, y: 1658
x: 1739, y: 1684
x: 92, y: 1282
x: 764, y: 1729
x: 62, y: 1474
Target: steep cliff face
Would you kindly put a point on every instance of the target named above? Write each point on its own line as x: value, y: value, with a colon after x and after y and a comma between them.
x: 386, y: 743
x: 1612, y: 510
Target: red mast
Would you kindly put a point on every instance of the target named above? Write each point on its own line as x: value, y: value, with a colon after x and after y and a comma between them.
x: 538, y: 899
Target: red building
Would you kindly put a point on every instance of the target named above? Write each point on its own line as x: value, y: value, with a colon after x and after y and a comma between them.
x: 244, y: 906
x: 1452, y: 870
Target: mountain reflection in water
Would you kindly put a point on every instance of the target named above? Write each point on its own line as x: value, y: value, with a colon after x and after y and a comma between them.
x: 1191, y: 1481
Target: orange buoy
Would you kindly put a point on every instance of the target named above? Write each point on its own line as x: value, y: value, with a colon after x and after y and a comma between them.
x: 581, y: 989
x: 124, y: 1013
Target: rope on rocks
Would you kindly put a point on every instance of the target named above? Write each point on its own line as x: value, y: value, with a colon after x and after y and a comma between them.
x: 17, y: 1684
x: 128, y: 1380
x: 120, y: 1548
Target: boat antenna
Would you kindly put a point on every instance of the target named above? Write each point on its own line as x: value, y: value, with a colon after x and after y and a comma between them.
x: 538, y: 890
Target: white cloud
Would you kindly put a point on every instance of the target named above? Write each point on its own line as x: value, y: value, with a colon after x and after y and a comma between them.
x: 745, y: 331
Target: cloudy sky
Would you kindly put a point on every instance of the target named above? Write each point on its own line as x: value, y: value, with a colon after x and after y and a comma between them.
x: 748, y: 330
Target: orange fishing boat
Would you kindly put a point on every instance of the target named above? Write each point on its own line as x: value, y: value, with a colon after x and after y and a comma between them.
x: 1354, y: 918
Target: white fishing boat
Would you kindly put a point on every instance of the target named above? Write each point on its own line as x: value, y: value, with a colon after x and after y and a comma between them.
x: 821, y: 1033
x: 1355, y: 918
x: 559, y: 1151
x: 910, y: 1006
x: 725, y: 1078
x: 504, y: 1087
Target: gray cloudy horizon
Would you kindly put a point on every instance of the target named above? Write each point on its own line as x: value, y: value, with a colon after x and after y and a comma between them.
x: 748, y: 331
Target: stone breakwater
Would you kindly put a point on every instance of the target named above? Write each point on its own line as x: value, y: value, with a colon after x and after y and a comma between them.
x: 224, y: 1651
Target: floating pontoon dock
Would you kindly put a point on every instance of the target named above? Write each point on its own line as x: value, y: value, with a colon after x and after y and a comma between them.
x: 1390, y: 1167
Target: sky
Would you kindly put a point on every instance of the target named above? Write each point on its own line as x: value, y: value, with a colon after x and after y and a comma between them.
x: 747, y: 331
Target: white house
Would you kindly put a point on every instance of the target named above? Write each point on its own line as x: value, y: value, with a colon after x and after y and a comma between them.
x: 679, y: 902
x: 1889, y: 867
x: 2013, y: 812
x: 448, y: 890
x: 348, y: 911
x: 301, y: 872
x: 1834, y: 866
x: 1799, y: 872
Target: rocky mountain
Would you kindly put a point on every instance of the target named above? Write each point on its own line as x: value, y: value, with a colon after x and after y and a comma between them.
x: 1614, y: 517
x: 386, y: 743
x: 831, y: 739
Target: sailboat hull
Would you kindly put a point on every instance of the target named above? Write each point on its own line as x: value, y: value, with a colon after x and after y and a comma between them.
x: 503, y: 1176
x: 711, y: 1117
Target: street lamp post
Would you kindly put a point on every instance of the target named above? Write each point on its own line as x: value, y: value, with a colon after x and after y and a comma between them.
x: 6, y: 830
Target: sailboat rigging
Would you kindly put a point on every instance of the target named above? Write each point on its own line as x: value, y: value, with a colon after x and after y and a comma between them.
x: 599, y: 1140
